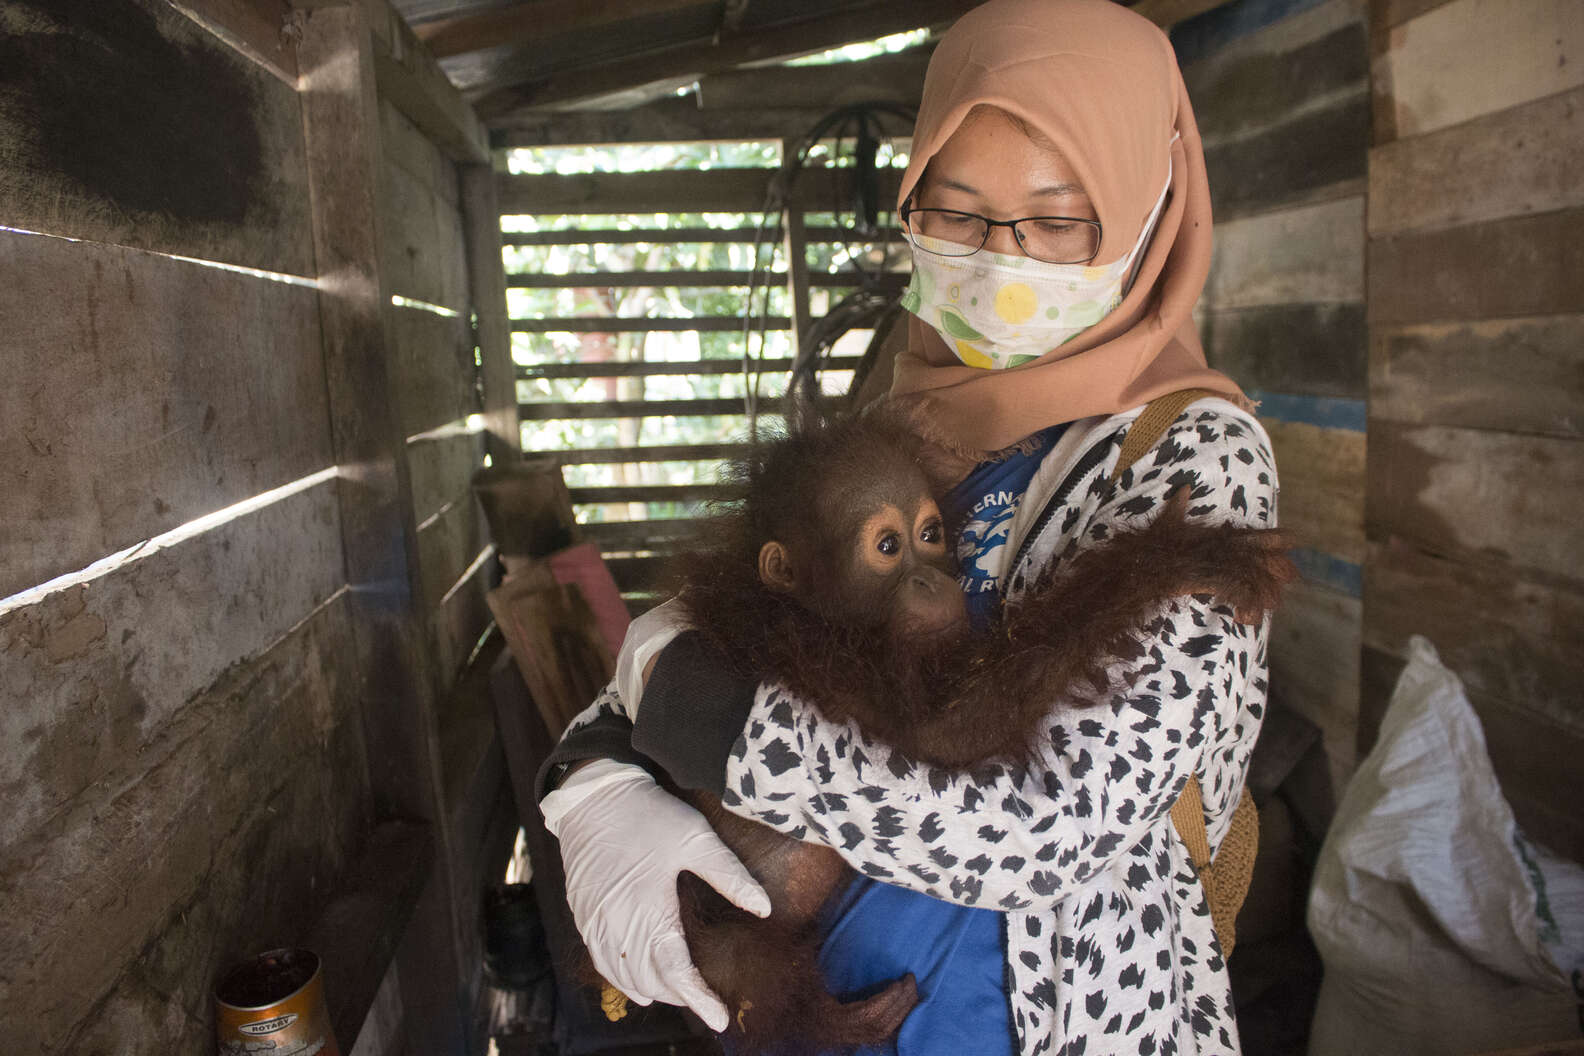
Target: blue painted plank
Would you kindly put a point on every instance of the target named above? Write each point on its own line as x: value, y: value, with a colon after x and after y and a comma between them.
x: 1328, y: 570
x: 1197, y: 37
x: 1327, y: 412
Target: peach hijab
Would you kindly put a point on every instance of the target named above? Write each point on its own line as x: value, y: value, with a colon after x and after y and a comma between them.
x: 1102, y: 84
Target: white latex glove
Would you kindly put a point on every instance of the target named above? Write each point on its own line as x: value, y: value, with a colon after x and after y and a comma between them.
x: 624, y: 839
x: 646, y: 636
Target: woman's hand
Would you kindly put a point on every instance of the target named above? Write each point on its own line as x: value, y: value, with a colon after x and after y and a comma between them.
x: 624, y: 839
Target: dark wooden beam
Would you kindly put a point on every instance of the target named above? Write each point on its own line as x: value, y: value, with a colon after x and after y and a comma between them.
x: 254, y: 26
x: 641, y: 535
x: 487, y: 286
x: 895, y: 78
x: 652, y: 493
x: 666, y: 121
x: 685, y: 235
x: 1167, y: 13
x: 541, y: 18
x: 672, y: 191
x: 647, y: 368
x: 680, y: 279
x: 708, y: 324
x: 530, y: 88
x: 394, y: 660
x: 409, y: 76
x: 564, y: 409
x: 615, y: 456
x: 357, y: 934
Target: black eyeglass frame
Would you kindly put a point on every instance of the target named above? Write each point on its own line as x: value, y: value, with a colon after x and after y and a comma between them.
x: 908, y: 208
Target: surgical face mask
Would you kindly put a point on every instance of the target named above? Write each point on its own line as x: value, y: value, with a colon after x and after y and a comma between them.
x: 998, y: 311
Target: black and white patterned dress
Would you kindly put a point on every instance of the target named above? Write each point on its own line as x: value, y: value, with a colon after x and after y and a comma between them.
x: 1110, y: 948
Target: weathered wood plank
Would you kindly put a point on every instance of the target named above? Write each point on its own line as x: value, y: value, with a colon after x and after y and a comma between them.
x: 631, y: 408
x: 1469, y: 492
x: 491, y: 320
x: 897, y: 78
x: 441, y: 468
x: 648, y: 368
x: 636, y: 535
x: 1291, y: 162
x: 447, y: 545
x: 1510, y: 634
x: 488, y: 29
x: 123, y: 422
x: 1469, y: 58
x: 639, y: 574
x: 1396, y: 12
x: 408, y: 76
x: 404, y: 144
x: 206, y: 832
x: 1322, y: 486
x: 1314, y: 667
x: 1258, y: 89
x: 665, y: 121
x: 502, y: 95
x: 432, y: 369
x: 460, y: 620
x: 587, y: 324
x: 258, y: 28
x: 1519, y: 375
x: 1312, y: 254
x: 122, y: 654
x: 424, y: 255
x: 341, y: 116
x: 1313, y: 349
x: 671, y: 191
x: 357, y: 933
x: 685, y: 279
x: 682, y: 235
x: 1532, y: 265
x: 585, y: 456
x: 115, y: 146
x: 1233, y: 30
x: 654, y: 493
x: 1512, y: 163
x: 393, y: 648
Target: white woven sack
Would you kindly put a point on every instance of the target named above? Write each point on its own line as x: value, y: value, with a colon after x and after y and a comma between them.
x: 1442, y: 929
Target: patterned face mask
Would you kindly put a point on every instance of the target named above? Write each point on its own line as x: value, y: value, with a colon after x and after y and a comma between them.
x: 998, y: 311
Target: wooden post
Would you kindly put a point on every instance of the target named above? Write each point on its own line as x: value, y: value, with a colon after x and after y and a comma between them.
x: 341, y: 117
x: 487, y: 282
x: 797, y: 260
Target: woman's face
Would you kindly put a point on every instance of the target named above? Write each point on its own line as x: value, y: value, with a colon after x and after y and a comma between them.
x: 990, y: 166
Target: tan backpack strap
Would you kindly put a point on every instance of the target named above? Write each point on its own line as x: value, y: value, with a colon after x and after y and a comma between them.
x: 1187, y: 816
x: 1152, y: 423
x: 1226, y: 880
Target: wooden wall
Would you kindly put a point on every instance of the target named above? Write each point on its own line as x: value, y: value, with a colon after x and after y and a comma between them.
x: 237, y: 721
x: 1476, y: 378
x: 1281, y: 92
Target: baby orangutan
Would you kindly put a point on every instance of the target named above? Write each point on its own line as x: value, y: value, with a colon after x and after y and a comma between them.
x: 833, y: 578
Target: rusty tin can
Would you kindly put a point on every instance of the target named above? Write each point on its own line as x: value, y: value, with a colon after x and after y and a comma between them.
x: 274, y: 1005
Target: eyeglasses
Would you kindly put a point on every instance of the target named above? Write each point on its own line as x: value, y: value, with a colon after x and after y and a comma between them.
x: 1051, y: 239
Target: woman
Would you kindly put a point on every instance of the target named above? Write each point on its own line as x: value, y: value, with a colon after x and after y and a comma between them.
x: 1057, y: 205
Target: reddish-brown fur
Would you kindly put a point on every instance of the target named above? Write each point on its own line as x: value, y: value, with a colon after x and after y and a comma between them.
x: 956, y: 700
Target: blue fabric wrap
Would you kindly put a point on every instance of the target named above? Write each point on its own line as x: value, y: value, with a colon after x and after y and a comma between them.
x: 876, y: 932
x: 879, y: 933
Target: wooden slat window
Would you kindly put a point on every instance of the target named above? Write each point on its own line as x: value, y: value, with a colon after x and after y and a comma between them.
x: 628, y: 327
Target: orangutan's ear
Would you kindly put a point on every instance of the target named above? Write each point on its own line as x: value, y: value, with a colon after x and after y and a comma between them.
x: 775, y: 568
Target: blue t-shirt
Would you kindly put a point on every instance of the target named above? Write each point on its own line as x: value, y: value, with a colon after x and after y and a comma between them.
x: 876, y: 932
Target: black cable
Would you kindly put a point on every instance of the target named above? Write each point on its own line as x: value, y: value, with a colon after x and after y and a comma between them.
x: 813, y: 348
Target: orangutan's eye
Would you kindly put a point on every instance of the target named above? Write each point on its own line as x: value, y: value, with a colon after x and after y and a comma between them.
x: 889, y: 544
x: 931, y: 532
